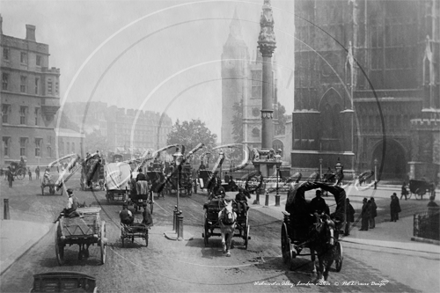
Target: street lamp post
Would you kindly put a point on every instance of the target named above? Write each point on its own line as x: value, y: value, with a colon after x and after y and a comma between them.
x: 375, y: 173
x: 178, y: 158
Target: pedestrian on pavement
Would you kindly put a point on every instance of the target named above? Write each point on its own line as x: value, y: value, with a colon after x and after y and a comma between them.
x: 37, y: 172
x: 349, y: 216
x: 147, y: 218
x: 373, y: 215
x: 29, y: 173
x: 404, y: 191
x: 318, y: 204
x: 10, y: 176
x: 365, y: 215
x: 394, y: 207
x: 433, y: 208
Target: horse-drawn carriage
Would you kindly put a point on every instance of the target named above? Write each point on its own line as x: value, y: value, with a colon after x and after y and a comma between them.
x: 130, y: 232
x: 229, y: 218
x: 86, y: 229
x: 185, y: 184
x: 318, y: 233
x: 92, y: 172
x: 116, y: 184
x: 18, y: 169
x: 420, y: 188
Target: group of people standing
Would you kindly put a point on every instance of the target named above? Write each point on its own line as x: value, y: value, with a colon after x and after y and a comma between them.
x: 368, y: 214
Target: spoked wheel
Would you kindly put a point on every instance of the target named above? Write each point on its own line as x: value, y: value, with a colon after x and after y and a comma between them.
x: 59, y: 248
x: 102, y: 242
x: 286, y: 245
x: 340, y: 257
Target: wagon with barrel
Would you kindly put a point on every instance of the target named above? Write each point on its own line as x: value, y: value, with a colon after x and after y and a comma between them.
x: 298, y: 224
x: 116, y: 185
x: 85, y: 229
x: 212, y: 225
x: 420, y: 188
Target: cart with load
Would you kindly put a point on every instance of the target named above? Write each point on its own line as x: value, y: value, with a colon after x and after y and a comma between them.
x: 299, y: 224
x: 116, y: 185
x: 92, y: 173
x: 84, y: 230
x: 211, y: 220
x: 136, y: 230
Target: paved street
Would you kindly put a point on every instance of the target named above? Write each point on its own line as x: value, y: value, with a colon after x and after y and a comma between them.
x: 189, y: 266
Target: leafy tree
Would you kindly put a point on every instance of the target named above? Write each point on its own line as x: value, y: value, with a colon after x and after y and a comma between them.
x: 95, y: 141
x: 190, y: 134
x: 282, y: 119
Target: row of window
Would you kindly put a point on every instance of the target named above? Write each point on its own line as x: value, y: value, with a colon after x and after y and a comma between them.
x: 24, y: 84
x: 24, y: 114
x: 23, y: 57
x: 24, y: 147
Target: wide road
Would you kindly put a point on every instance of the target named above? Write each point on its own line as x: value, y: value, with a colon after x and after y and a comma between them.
x: 189, y: 266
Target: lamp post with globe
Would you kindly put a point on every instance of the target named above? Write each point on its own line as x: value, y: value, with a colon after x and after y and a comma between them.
x: 178, y: 159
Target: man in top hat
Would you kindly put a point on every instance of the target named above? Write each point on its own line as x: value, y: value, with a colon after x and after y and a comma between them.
x: 318, y: 204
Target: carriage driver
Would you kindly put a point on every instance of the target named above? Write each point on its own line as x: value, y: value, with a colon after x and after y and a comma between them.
x: 318, y: 204
x: 72, y: 205
x: 126, y: 216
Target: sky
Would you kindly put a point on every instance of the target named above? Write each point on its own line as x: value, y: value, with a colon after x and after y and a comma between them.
x: 161, y: 56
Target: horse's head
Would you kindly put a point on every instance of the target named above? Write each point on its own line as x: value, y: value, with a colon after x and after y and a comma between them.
x: 324, y: 230
x: 228, y: 214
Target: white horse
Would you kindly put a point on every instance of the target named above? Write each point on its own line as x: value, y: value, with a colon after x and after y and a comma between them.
x: 227, y: 220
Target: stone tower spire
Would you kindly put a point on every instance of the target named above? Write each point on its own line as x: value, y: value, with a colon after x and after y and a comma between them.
x: 235, y: 59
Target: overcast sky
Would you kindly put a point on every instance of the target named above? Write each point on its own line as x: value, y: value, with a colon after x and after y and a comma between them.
x: 149, y: 54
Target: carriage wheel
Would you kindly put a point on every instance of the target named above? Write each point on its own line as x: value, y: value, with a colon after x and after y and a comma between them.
x: 102, y: 243
x: 285, y: 245
x: 340, y: 257
x: 246, y: 236
x: 20, y: 175
x: 59, y: 248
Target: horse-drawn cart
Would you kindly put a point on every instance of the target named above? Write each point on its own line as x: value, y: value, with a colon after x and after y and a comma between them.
x: 134, y: 231
x: 211, y: 221
x: 318, y: 233
x: 420, y: 188
x: 116, y: 181
x: 85, y: 230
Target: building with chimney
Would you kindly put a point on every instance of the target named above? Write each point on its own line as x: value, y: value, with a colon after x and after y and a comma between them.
x: 367, y: 81
x: 30, y: 98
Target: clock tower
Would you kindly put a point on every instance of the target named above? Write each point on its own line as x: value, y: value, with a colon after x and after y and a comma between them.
x: 235, y: 60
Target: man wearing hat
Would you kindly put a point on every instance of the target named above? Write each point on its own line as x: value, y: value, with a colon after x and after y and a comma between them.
x: 318, y: 204
x: 72, y: 205
x: 126, y: 216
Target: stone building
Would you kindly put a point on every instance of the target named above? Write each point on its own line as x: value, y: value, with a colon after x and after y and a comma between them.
x: 242, y: 83
x: 69, y: 141
x: 29, y: 99
x: 367, y: 87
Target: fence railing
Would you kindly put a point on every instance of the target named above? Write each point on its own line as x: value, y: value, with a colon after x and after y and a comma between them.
x: 427, y: 225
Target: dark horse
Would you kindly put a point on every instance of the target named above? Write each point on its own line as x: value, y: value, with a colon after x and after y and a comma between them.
x: 322, y: 240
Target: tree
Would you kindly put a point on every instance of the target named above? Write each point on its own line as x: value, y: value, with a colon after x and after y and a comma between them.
x: 95, y: 141
x: 190, y: 134
x: 280, y: 128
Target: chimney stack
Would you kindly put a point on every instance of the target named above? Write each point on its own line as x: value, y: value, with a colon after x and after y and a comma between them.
x: 30, y: 32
